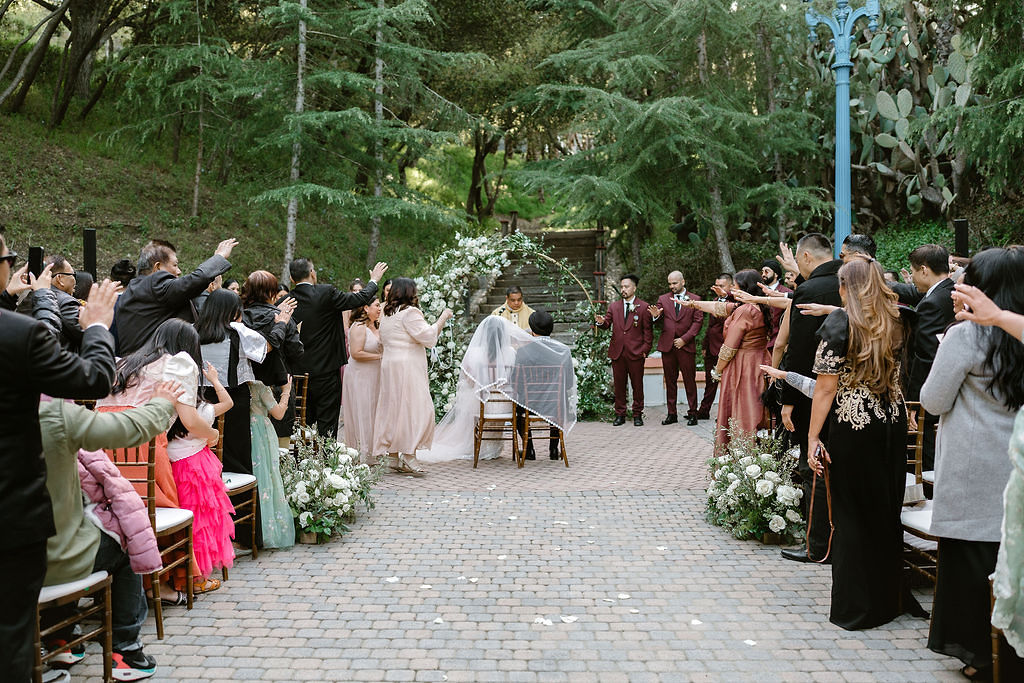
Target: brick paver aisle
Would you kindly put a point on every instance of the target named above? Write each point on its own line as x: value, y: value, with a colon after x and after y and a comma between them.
x: 605, y: 572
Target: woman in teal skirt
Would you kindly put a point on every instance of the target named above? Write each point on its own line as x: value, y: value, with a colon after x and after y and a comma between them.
x: 275, y: 513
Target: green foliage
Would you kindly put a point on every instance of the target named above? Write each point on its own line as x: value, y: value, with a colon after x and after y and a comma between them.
x: 897, y: 241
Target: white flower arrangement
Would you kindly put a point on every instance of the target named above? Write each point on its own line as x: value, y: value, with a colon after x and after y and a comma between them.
x: 323, y: 482
x: 751, y: 490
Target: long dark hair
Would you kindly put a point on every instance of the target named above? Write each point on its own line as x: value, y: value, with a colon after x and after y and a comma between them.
x: 360, y: 316
x: 997, y: 272
x: 172, y: 337
x: 747, y: 281
x: 222, y: 308
x: 402, y: 295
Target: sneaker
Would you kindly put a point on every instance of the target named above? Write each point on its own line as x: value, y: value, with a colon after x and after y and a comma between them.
x: 56, y: 676
x: 132, y: 666
x: 65, y: 657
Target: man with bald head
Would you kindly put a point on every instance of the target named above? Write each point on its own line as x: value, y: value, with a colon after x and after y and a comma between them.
x: 679, y: 328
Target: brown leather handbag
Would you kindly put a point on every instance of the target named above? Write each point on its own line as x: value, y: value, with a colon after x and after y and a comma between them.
x: 810, y: 508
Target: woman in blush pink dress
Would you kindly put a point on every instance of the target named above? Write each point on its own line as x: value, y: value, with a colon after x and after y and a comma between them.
x: 362, y: 379
x: 744, y: 350
x: 404, y: 422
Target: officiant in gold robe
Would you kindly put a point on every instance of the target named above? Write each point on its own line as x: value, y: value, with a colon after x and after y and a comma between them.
x: 514, y: 309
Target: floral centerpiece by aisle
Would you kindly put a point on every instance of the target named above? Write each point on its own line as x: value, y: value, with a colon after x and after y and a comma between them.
x: 323, y: 482
x: 752, y: 491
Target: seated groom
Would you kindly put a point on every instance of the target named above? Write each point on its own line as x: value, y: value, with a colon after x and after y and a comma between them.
x: 550, y: 399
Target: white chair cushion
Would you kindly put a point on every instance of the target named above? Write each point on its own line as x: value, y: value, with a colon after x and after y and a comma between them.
x: 237, y: 480
x: 919, y: 543
x: 918, y: 518
x: 61, y: 589
x: 168, y: 518
x: 929, y: 477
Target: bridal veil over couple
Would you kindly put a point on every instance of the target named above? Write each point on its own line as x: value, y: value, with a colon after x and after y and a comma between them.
x: 502, y: 360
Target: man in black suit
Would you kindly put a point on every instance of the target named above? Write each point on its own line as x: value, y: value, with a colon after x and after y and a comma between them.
x: 33, y: 362
x: 62, y: 276
x: 159, y: 294
x: 318, y: 314
x: 932, y: 297
x: 820, y: 286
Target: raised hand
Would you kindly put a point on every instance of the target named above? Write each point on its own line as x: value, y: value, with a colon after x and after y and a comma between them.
x: 210, y: 373
x: 225, y: 247
x: 768, y: 291
x: 744, y: 297
x: 977, y: 307
x: 285, y: 309
x: 599, y: 319
x: 905, y: 275
x: 773, y: 372
x: 378, y: 271
x: 44, y: 279
x: 20, y: 281
x: 786, y: 258
x: 816, y: 309
x: 100, y: 306
x: 655, y: 311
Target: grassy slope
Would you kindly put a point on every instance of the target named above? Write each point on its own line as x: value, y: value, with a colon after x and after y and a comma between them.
x: 53, y: 183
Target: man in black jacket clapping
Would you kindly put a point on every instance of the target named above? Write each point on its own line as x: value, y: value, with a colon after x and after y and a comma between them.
x: 318, y: 314
x: 159, y: 294
x: 33, y: 362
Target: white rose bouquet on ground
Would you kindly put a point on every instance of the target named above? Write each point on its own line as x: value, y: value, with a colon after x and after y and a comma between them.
x: 752, y: 491
x: 323, y: 482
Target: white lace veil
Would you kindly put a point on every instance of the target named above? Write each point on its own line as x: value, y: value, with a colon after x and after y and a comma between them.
x: 534, y: 372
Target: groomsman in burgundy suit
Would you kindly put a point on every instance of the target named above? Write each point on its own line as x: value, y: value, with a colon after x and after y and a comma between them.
x: 632, y: 337
x: 680, y: 326
x: 714, y: 336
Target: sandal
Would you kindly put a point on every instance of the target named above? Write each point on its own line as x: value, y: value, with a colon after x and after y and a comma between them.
x: 205, y: 586
x: 172, y: 599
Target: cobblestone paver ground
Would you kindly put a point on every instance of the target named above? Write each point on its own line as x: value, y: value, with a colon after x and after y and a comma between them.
x: 602, y: 572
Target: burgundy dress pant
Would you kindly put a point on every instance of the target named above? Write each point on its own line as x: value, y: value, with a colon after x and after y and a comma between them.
x: 673, y: 362
x: 710, y: 385
x: 634, y: 369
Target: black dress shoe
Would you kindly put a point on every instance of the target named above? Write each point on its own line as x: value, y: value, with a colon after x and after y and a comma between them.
x: 796, y: 554
x: 691, y: 421
x: 703, y: 416
x: 638, y: 421
x: 619, y: 420
x: 555, y: 456
x: 531, y: 455
x: 670, y: 420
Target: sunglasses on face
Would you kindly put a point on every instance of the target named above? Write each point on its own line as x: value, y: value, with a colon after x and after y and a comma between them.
x: 11, y: 257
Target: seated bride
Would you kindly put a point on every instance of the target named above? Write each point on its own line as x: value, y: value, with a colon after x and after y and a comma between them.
x: 486, y: 371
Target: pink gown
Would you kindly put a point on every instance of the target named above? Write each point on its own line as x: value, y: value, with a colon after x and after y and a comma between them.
x: 742, y: 380
x: 362, y: 389
x: 404, y: 422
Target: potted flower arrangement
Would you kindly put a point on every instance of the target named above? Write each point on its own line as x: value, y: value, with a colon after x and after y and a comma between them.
x: 323, y: 482
x: 752, y: 492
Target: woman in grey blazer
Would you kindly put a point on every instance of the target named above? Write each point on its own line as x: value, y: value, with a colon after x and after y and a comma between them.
x: 976, y: 386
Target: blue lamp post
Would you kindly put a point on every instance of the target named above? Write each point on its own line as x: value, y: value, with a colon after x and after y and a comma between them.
x: 842, y: 24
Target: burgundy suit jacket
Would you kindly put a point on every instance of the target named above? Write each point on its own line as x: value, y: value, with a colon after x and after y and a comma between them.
x: 715, y: 334
x: 685, y: 325
x: 631, y: 339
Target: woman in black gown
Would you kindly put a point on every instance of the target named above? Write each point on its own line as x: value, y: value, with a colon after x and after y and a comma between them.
x: 858, y: 395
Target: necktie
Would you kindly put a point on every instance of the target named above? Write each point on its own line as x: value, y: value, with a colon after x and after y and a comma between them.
x: 629, y: 307
x: 677, y: 306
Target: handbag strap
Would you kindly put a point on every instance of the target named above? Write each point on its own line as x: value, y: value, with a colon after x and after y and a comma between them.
x: 810, y: 512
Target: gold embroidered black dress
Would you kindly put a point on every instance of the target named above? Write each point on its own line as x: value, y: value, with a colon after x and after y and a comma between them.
x: 866, y: 440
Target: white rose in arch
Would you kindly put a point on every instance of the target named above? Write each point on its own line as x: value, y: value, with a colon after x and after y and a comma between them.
x: 776, y: 523
x: 746, y: 460
x: 772, y: 477
x: 753, y: 471
x: 764, y: 488
x: 793, y: 516
x: 304, y: 518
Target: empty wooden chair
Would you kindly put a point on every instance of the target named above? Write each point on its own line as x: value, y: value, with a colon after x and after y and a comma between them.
x: 920, y: 547
x: 237, y: 484
x: 172, y: 526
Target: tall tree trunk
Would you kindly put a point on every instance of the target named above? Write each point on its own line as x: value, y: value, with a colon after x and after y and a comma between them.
x: 715, y: 192
x: 30, y: 65
x: 300, y: 105
x: 378, y: 115
x: 484, y: 144
x: 199, y: 164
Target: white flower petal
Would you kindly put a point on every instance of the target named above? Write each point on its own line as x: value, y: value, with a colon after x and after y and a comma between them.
x: 750, y: 642
x: 391, y: 579
x: 569, y: 619
x: 696, y: 622
x: 624, y: 596
x: 439, y: 620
